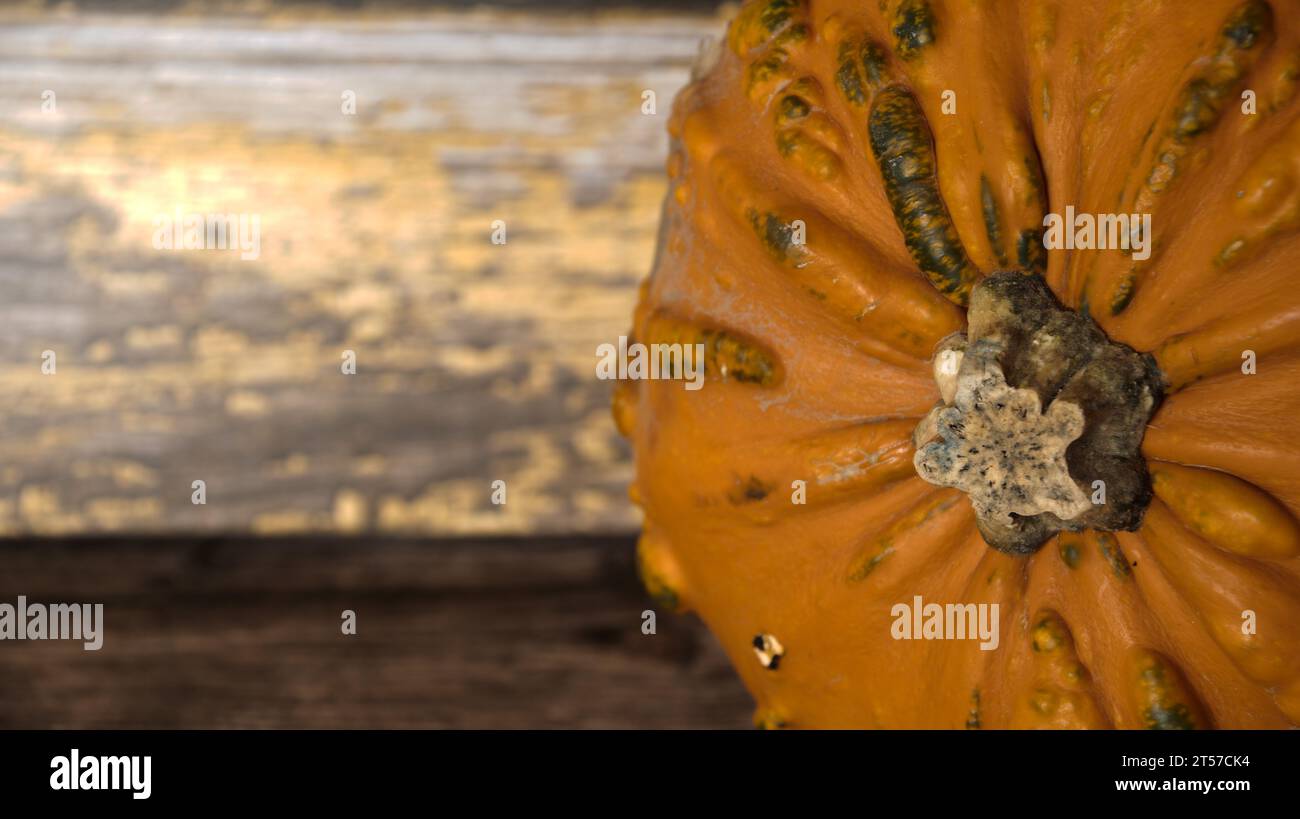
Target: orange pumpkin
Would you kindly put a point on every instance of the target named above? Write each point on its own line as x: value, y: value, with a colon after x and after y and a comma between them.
x: 846, y: 178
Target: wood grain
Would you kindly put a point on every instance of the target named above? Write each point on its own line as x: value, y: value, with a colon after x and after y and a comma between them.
x: 230, y: 633
x: 475, y: 361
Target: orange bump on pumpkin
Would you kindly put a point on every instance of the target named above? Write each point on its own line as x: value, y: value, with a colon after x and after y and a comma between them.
x: 843, y: 176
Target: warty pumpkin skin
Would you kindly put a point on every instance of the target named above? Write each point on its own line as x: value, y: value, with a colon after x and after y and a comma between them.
x: 826, y: 225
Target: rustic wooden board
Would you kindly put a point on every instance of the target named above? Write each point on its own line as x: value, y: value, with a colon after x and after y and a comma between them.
x: 475, y: 361
x: 229, y: 633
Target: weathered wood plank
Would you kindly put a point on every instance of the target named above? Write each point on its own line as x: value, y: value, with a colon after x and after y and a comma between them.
x: 475, y: 361
x: 227, y: 633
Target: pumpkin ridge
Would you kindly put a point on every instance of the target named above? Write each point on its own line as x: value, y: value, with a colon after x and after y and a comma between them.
x: 1198, y: 109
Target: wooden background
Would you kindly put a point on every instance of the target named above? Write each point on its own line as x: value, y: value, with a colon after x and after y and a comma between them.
x: 477, y: 633
x: 475, y: 361
x: 326, y: 492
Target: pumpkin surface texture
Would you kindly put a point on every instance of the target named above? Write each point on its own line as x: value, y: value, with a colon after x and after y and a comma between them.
x: 945, y: 387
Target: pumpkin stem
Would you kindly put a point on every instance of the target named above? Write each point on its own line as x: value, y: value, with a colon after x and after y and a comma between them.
x: 1041, y: 418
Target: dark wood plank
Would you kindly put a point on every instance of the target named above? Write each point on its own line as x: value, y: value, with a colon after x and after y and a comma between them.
x: 225, y: 633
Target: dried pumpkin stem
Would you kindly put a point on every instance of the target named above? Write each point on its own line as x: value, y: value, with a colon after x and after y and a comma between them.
x: 1041, y: 419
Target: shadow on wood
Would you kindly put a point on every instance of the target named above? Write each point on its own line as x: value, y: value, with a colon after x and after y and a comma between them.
x: 243, y: 633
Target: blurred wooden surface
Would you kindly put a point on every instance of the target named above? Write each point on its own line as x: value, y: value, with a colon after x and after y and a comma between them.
x: 228, y: 633
x: 475, y: 361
